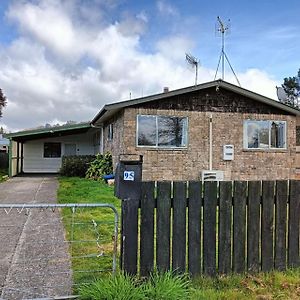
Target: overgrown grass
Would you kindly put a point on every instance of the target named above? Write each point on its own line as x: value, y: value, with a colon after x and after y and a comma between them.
x: 273, y: 285
x: 121, y: 287
x: 93, y: 226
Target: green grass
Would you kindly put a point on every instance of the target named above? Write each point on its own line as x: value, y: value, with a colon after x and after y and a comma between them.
x: 121, y: 287
x: 273, y: 285
x: 80, y: 190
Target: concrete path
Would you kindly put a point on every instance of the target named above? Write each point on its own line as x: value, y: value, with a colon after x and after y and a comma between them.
x: 34, y: 260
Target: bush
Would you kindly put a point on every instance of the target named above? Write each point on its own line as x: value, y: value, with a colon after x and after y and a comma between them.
x: 76, y: 165
x: 101, y: 165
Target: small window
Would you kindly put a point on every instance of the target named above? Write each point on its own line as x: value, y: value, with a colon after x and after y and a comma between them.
x: 264, y: 134
x: 161, y: 131
x: 298, y: 136
x: 52, y: 149
x: 110, y: 134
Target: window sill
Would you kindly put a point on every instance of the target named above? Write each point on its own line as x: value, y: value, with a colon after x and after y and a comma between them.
x: 267, y: 150
x: 161, y: 148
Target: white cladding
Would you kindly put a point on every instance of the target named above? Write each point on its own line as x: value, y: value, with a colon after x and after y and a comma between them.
x: 35, y: 162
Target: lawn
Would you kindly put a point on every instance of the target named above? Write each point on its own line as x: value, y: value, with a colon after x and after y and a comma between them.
x: 93, y: 227
x: 274, y: 285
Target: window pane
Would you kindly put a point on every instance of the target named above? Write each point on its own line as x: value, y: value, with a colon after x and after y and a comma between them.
x: 277, y: 134
x: 171, y: 131
x: 258, y: 134
x: 146, y: 131
x: 52, y: 150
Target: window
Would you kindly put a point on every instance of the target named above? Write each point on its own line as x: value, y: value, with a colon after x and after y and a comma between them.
x: 52, y: 150
x: 264, y: 134
x: 161, y: 131
x: 110, y: 133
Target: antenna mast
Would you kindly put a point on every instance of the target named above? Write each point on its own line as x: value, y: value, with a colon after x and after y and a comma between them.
x: 223, y: 28
x: 194, y: 62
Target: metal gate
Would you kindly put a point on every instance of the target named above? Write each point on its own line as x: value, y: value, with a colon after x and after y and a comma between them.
x: 47, y: 250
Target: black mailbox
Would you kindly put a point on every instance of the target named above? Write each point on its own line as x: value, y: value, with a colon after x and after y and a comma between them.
x: 128, y: 177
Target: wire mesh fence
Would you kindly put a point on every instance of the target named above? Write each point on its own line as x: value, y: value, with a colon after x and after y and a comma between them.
x: 48, y: 250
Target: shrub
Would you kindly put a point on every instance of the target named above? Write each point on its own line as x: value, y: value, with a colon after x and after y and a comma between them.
x: 76, y: 165
x: 101, y: 165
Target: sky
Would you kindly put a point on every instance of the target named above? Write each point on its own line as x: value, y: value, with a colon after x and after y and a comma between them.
x: 62, y: 60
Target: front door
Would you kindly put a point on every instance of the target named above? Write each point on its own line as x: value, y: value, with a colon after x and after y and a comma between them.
x: 70, y: 149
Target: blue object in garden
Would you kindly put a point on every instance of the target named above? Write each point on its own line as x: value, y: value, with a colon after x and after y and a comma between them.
x: 109, y: 176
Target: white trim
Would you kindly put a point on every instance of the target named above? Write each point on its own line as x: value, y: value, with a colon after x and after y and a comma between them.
x: 245, y: 135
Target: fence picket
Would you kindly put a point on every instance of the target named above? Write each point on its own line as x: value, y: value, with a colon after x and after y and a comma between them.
x: 280, y: 224
x: 267, y: 219
x: 253, y: 224
x: 147, y: 228
x: 194, y: 227
x: 130, y: 235
x: 163, y: 226
x: 224, y: 253
x: 239, y: 226
x: 293, y: 234
x: 209, y: 228
x: 179, y: 227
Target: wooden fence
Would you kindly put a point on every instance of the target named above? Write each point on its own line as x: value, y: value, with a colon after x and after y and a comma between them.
x: 209, y: 228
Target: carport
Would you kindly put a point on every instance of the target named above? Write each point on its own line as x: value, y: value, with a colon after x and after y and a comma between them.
x: 41, y: 150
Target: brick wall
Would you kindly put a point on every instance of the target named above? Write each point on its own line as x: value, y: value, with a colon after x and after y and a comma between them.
x: 186, y: 164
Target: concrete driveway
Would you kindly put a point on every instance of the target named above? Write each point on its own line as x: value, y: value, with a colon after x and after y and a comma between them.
x: 34, y: 261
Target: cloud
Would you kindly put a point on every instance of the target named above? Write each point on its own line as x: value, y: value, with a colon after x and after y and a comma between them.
x: 65, y: 67
x: 165, y: 8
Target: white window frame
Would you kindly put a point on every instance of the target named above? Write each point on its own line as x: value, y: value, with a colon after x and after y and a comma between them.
x: 245, y: 135
x: 110, y: 133
x: 156, y: 120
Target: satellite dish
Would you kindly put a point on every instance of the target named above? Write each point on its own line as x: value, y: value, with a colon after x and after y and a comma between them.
x: 281, y: 94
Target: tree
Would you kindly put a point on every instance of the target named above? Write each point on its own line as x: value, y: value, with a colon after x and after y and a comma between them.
x: 291, y: 86
x: 3, y: 101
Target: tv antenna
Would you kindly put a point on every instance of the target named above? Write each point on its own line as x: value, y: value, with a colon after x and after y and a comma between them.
x: 223, y: 29
x: 194, y: 62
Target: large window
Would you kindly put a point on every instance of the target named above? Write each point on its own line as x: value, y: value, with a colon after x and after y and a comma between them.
x: 161, y: 131
x: 264, y: 134
x: 52, y: 149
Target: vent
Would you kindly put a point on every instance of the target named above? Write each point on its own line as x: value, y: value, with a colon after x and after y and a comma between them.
x: 212, y: 175
x: 166, y: 89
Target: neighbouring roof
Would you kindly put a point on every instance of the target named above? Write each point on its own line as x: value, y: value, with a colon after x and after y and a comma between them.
x: 49, y: 131
x: 111, y: 109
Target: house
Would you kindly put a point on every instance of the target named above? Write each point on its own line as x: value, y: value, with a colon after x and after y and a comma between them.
x: 41, y: 150
x: 4, y: 144
x: 215, y: 129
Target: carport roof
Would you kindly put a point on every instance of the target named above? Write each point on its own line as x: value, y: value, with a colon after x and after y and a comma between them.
x: 49, y: 132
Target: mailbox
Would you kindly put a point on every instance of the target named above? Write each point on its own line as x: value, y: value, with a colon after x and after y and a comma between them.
x: 128, y: 177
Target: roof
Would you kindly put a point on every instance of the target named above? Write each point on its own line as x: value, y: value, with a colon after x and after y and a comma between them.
x: 111, y: 109
x: 49, y: 131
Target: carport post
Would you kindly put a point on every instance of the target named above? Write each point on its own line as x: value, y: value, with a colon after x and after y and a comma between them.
x: 10, y: 158
x: 22, y: 156
x: 18, y: 158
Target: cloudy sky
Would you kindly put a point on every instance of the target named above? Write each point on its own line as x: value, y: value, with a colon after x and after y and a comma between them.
x: 64, y: 59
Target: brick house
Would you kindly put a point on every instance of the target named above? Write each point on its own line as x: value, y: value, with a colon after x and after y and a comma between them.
x: 212, y: 126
